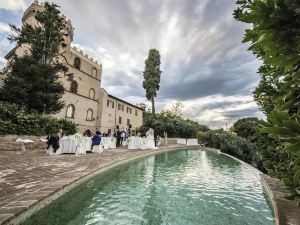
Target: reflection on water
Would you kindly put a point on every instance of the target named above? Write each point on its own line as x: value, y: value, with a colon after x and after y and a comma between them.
x: 181, y: 187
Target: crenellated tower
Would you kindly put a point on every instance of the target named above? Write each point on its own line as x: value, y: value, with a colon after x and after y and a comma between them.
x: 29, y: 18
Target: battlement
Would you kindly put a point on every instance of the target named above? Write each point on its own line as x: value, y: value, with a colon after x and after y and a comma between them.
x: 86, y: 56
x: 39, y: 6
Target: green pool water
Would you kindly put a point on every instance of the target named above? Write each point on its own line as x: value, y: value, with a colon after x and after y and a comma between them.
x: 185, y: 187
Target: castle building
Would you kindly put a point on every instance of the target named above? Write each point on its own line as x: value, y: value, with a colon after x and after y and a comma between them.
x: 86, y: 103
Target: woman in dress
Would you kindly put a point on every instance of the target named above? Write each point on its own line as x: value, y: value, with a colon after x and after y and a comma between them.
x: 166, y: 137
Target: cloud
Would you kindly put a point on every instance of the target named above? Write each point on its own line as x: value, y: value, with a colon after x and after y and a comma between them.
x: 13, y: 5
x: 4, y: 27
x: 204, y: 63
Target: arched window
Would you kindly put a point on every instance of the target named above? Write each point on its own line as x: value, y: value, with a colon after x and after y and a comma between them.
x: 70, y: 111
x: 92, y: 93
x: 89, y: 115
x: 74, y: 86
x: 77, y: 63
x: 94, y: 72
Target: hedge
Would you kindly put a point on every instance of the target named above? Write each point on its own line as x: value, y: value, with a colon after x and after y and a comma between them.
x: 15, y: 120
x: 232, y: 144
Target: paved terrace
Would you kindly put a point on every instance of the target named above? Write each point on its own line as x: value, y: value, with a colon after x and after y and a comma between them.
x: 28, y: 177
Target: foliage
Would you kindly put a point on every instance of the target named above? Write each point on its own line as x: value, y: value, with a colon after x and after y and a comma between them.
x: 32, y: 79
x: 246, y: 127
x: 41, y: 94
x: 284, y: 127
x: 275, y: 39
x: 14, y: 120
x: 175, y: 126
x: 152, y: 76
x: 267, y: 91
x: 232, y: 144
x: 46, y: 38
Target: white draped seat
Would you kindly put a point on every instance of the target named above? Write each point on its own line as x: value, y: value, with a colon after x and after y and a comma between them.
x: 192, y: 142
x: 141, y: 143
x: 181, y: 141
x: 21, y: 142
x: 97, y: 149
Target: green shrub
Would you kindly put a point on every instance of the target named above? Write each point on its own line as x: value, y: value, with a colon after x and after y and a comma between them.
x: 175, y: 126
x: 232, y: 144
x: 15, y: 120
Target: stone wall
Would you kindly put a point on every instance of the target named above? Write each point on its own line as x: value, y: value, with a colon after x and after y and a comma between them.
x: 8, y: 143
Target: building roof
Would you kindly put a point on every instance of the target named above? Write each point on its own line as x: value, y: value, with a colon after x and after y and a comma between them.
x: 121, y: 100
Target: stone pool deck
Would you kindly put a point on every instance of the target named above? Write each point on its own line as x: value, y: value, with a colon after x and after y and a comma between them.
x: 28, y: 178
x: 286, y: 211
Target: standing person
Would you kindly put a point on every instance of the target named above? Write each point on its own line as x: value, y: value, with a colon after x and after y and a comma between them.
x: 60, y: 133
x: 87, y: 133
x: 96, y: 139
x: 122, y: 137
x: 157, y: 143
x: 118, y: 135
x: 166, y: 137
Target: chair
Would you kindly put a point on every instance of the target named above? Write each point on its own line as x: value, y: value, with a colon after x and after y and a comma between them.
x: 97, y: 149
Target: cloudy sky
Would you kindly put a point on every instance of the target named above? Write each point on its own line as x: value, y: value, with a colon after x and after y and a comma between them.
x: 205, y: 66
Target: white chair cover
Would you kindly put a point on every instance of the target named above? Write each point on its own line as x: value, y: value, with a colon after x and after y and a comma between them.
x: 192, y: 142
x: 97, y: 149
x: 181, y: 141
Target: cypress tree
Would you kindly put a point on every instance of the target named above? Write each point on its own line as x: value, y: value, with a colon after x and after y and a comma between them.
x: 152, y: 76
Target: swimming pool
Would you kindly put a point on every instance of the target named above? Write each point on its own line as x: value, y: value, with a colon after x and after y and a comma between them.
x: 183, y: 187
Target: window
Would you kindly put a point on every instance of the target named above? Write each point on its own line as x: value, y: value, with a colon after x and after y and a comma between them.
x: 92, y: 93
x: 70, y: 111
x: 120, y: 107
x: 74, y: 86
x: 77, y: 63
x: 120, y: 119
x: 89, y: 115
x: 110, y: 104
x: 136, y: 112
x: 128, y: 122
x: 129, y: 110
x: 94, y: 72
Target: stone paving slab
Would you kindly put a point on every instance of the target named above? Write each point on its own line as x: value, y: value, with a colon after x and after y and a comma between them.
x: 286, y: 211
x: 28, y: 177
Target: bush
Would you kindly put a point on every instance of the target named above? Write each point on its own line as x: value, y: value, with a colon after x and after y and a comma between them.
x: 15, y: 120
x: 232, y: 144
x: 175, y: 126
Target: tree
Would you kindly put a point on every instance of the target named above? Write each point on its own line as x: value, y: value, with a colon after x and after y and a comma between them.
x: 268, y: 89
x: 32, y: 80
x: 275, y: 39
x: 152, y: 76
x: 246, y: 127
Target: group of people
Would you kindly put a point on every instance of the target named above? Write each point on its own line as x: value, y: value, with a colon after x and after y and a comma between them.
x: 120, y: 135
